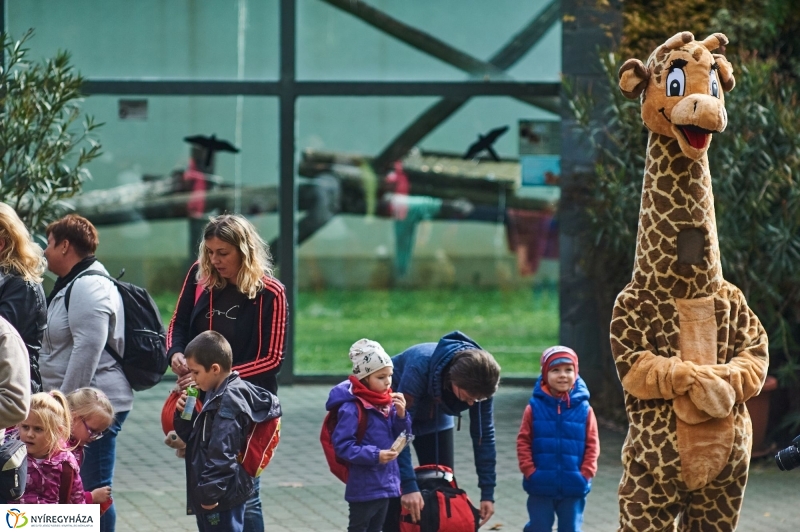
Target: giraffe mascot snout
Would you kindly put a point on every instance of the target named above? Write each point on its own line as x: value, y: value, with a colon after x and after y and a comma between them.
x: 688, y: 350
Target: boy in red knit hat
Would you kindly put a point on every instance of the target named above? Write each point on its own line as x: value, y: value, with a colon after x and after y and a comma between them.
x: 558, y: 445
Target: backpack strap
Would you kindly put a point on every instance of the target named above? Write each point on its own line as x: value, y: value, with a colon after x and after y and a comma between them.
x: 362, y: 423
x: 111, y: 351
x: 82, y: 274
x: 65, y: 489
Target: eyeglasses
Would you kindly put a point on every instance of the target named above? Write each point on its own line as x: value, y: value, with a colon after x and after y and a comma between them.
x: 94, y: 435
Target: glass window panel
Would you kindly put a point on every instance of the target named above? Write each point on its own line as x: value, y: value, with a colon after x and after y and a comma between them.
x: 155, y: 145
x: 333, y: 44
x: 401, y: 281
x: 154, y: 38
x: 151, y: 239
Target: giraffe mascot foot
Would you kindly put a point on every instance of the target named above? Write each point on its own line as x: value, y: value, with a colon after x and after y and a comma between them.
x: 688, y: 350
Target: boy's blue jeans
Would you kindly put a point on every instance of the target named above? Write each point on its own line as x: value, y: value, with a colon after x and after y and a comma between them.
x: 253, y: 516
x: 225, y: 521
x: 97, y: 469
x: 542, y: 512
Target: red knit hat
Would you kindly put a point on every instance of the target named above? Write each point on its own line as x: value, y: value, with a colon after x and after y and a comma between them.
x: 558, y: 354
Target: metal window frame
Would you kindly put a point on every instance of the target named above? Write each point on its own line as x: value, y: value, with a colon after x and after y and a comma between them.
x: 287, y: 89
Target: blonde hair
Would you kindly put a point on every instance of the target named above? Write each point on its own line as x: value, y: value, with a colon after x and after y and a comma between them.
x: 237, y: 231
x: 91, y: 402
x: 20, y: 254
x: 53, y: 411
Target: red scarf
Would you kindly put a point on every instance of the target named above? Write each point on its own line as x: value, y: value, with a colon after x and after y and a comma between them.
x: 365, y: 394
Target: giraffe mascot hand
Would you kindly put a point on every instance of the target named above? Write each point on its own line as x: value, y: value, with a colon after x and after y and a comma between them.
x: 688, y: 350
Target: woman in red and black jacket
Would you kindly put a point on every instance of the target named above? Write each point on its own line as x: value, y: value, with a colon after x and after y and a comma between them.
x: 231, y: 290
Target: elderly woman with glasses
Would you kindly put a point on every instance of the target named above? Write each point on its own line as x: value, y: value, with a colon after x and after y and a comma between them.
x: 439, y: 381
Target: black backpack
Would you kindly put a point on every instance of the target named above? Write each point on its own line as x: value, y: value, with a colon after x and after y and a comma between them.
x: 13, y: 469
x: 145, y: 359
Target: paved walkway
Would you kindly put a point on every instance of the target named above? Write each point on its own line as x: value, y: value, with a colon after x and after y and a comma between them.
x: 300, y: 494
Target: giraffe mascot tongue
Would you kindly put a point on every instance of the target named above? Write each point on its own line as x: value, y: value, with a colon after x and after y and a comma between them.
x: 687, y: 348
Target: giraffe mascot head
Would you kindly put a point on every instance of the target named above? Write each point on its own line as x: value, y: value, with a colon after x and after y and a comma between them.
x: 688, y: 350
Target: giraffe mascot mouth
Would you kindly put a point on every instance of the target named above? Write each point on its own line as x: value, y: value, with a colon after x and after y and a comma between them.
x: 682, y: 90
x: 688, y: 350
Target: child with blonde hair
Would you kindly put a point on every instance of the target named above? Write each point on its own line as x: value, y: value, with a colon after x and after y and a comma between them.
x: 52, y: 469
x: 92, y: 414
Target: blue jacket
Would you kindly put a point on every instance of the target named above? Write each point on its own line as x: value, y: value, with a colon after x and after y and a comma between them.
x: 418, y: 373
x: 559, y: 442
x: 367, y: 479
x: 215, y: 436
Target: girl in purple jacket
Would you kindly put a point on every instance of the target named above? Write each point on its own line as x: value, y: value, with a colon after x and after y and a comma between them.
x: 50, y: 463
x: 374, y: 476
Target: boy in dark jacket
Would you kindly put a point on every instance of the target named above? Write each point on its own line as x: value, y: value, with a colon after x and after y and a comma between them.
x: 373, y: 476
x: 217, y: 485
x: 557, y: 445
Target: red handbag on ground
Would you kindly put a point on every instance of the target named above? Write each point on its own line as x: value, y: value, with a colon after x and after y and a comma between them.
x: 447, y: 507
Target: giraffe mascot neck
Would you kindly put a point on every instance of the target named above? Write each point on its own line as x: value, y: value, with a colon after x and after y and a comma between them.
x: 683, y: 105
x: 688, y: 350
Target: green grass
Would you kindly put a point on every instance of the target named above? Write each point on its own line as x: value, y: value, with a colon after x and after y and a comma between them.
x: 515, y: 326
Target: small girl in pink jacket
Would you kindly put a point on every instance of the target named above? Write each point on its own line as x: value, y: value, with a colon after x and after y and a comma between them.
x: 53, y: 472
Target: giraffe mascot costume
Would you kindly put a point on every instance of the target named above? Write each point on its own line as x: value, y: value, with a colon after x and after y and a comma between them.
x: 688, y: 350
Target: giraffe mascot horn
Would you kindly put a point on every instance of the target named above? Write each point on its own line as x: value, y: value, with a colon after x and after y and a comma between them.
x: 688, y: 350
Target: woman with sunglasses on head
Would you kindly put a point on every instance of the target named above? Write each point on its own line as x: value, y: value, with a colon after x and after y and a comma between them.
x: 92, y: 414
x: 80, y: 330
x: 440, y: 381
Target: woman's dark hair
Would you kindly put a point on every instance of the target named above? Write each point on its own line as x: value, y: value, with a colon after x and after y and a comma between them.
x: 79, y: 231
x: 475, y: 371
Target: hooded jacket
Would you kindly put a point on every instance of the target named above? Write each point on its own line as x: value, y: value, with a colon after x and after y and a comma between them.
x: 368, y: 479
x: 419, y: 375
x: 215, y: 436
x: 44, y: 480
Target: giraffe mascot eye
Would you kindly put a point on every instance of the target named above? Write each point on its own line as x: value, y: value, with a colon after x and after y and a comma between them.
x: 676, y: 82
x: 713, y: 86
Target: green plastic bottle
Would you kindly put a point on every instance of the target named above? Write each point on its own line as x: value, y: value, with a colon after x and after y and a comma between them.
x: 191, y: 401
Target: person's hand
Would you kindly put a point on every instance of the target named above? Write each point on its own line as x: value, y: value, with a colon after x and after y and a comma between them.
x: 399, y: 401
x: 414, y: 504
x: 178, y: 364
x: 101, y: 495
x: 209, y: 507
x: 181, y: 404
x: 185, y: 381
x: 387, y: 456
x: 486, y: 511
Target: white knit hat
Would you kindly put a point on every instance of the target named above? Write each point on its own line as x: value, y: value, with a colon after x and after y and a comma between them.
x: 368, y: 357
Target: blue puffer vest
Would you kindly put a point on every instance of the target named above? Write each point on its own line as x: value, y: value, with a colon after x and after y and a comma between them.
x: 559, y: 442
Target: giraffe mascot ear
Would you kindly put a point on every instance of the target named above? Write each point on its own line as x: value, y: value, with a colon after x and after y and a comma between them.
x: 725, y: 73
x: 633, y: 78
x: 713, y: 42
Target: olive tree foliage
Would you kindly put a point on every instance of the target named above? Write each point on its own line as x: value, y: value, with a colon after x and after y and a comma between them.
x: 44, y: 144
x: 755, y: 169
